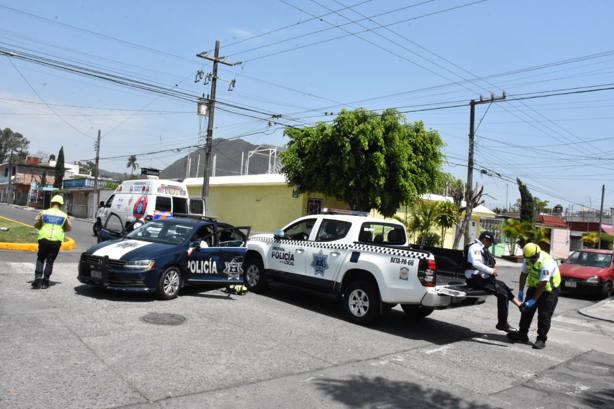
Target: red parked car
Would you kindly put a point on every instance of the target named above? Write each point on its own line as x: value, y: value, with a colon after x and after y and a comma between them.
x: 588, y: 271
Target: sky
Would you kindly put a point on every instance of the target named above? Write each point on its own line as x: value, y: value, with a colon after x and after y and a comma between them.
x: 302, y: 61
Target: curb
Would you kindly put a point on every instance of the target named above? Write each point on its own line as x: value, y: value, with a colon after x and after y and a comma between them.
x: 68, y: 244
x: 587, y: 311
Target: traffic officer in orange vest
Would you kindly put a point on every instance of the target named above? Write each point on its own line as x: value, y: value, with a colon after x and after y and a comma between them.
x: 52, y: 223
x: 541, y: 274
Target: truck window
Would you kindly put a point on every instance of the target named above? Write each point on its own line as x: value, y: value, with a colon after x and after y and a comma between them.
x: 299, y: 230
x: 109, y: 201
x: 382, y: 233
x: 332, y: 230
x: 163, y: 204
x: 196, y: 206
x: 180, y: 205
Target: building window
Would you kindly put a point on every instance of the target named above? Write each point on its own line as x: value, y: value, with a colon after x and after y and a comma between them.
x: 314, y: 206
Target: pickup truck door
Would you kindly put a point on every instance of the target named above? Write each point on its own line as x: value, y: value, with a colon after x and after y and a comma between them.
x: 323, y: 257
x: 287, y: 253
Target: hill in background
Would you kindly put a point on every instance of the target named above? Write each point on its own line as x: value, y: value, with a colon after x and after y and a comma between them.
x: 228, y: 155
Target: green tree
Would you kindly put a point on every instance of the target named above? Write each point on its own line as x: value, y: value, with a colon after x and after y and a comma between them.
x: 13, y: 141
x: 132, y: 164
x: 527, y: 204
x: 369, y: 160
x: 447, y: 217
x: 87, y: 167
x: 540, y: 205
x: 59, y: 169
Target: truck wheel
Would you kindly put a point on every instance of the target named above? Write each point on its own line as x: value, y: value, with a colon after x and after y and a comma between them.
x: 254, y: 275
x: 96, y: 227
x: 606, y: 290
x: 169, y: 283
x: 416, y: 312
x: 361, y: 302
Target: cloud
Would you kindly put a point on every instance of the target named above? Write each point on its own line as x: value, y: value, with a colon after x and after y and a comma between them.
x: 240, y: 33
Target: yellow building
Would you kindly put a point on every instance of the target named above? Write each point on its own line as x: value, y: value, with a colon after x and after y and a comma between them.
x: 264, y: 202
x: 267, y: 203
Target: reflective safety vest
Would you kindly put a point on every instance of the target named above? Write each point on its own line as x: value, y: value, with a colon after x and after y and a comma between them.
x: 534, y: 269
x: 53, y: 222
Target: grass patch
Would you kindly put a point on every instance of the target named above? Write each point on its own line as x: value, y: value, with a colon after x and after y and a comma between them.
x: 17, y: 232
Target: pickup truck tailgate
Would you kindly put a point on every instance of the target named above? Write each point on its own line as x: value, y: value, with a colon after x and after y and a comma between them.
x: 453, y: 295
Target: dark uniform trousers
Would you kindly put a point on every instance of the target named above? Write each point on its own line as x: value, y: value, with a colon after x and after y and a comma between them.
x: 496, y: 287
x: 47, y: 252
x: 545, y: 308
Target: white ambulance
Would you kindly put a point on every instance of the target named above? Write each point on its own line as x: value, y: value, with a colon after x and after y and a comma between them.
x: 138, y: 199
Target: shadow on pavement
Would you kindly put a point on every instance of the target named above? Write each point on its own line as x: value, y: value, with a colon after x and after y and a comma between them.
x: 394, y: 322
x: 364, y: 392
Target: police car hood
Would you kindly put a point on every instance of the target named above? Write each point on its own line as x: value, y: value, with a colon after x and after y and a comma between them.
x: 128, y: 249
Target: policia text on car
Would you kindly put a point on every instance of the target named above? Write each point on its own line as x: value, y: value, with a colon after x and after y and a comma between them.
x: 52, y: 223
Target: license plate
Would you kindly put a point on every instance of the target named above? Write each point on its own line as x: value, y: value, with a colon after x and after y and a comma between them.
x: 571, y: 284
x: 96, y: 274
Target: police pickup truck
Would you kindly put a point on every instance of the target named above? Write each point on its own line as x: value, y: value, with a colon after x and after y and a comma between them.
x: 165, y: 255
x: 366, y: 261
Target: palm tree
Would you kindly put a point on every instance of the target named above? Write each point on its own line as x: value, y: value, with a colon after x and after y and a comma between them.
x: 132, y: 164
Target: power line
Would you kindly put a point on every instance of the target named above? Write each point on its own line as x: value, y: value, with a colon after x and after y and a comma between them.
x: 347, y: 35
x: 45, y: 102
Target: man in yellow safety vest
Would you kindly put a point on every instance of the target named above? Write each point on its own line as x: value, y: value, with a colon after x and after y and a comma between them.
x: 52, y: 223
x: 541, y: 274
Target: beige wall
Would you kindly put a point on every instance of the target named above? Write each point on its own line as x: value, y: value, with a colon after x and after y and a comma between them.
x: 266, y: 208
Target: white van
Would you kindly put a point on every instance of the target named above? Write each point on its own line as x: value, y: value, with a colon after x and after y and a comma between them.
x: 139, y: 198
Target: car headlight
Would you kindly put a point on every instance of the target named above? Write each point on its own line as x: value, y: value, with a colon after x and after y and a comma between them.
x: 140, y: 264
x: 593, y: 280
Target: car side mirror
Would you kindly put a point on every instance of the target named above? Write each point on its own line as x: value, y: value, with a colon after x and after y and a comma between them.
x: 279, y: 234
x: 101, y: 204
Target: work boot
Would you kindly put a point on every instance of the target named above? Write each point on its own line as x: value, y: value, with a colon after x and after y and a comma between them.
x: 36, y: 284
x: 45, y: 283
x: 506, y: 327
x: 539, y: 344
x: 516, y: 336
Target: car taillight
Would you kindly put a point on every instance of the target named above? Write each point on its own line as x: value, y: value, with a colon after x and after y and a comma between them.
x: 427, y: 272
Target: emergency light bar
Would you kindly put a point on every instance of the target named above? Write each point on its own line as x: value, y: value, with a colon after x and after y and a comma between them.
x: 348, y: 212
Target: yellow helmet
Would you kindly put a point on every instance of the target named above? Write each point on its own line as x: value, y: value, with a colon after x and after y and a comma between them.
x: 530, y: 250
x: 58, y: 199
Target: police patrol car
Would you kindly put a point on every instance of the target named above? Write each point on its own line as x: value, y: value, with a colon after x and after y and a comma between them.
x: 163, y: 256
x: 367, y: 261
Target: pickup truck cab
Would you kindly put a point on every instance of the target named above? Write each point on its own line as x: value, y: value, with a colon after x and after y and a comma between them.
x: 366, y: 261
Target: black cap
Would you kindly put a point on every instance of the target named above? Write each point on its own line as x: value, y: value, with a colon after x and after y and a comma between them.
x: 488, y: 235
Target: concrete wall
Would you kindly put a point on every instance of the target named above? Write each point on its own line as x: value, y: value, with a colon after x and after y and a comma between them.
x: 559, y: 243
x: 266, y: 208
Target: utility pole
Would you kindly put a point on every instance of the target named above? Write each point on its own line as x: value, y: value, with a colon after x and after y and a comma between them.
x: 97, y: 170
x: 600, y: 216
x: 469, y: 186
x: 210, y: 112
x: 9, y: 197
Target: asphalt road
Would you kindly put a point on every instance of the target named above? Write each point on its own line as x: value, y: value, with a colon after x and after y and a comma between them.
x: 73, y: 346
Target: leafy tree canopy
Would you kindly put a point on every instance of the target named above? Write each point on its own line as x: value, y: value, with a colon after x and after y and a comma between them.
x: 369, y: 160
x: 14, y: 141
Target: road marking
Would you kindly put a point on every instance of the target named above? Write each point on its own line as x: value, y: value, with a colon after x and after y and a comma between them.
x: 443, y: 349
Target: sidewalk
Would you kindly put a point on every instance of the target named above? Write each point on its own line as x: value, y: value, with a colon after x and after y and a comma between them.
x: 603, y: 310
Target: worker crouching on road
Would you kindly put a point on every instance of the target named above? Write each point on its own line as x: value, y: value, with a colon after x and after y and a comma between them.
x: 481, y: 274
x: 52, y: 223
x: 541, y: 274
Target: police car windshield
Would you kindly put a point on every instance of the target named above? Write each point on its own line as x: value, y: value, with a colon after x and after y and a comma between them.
x: 168, y: 232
